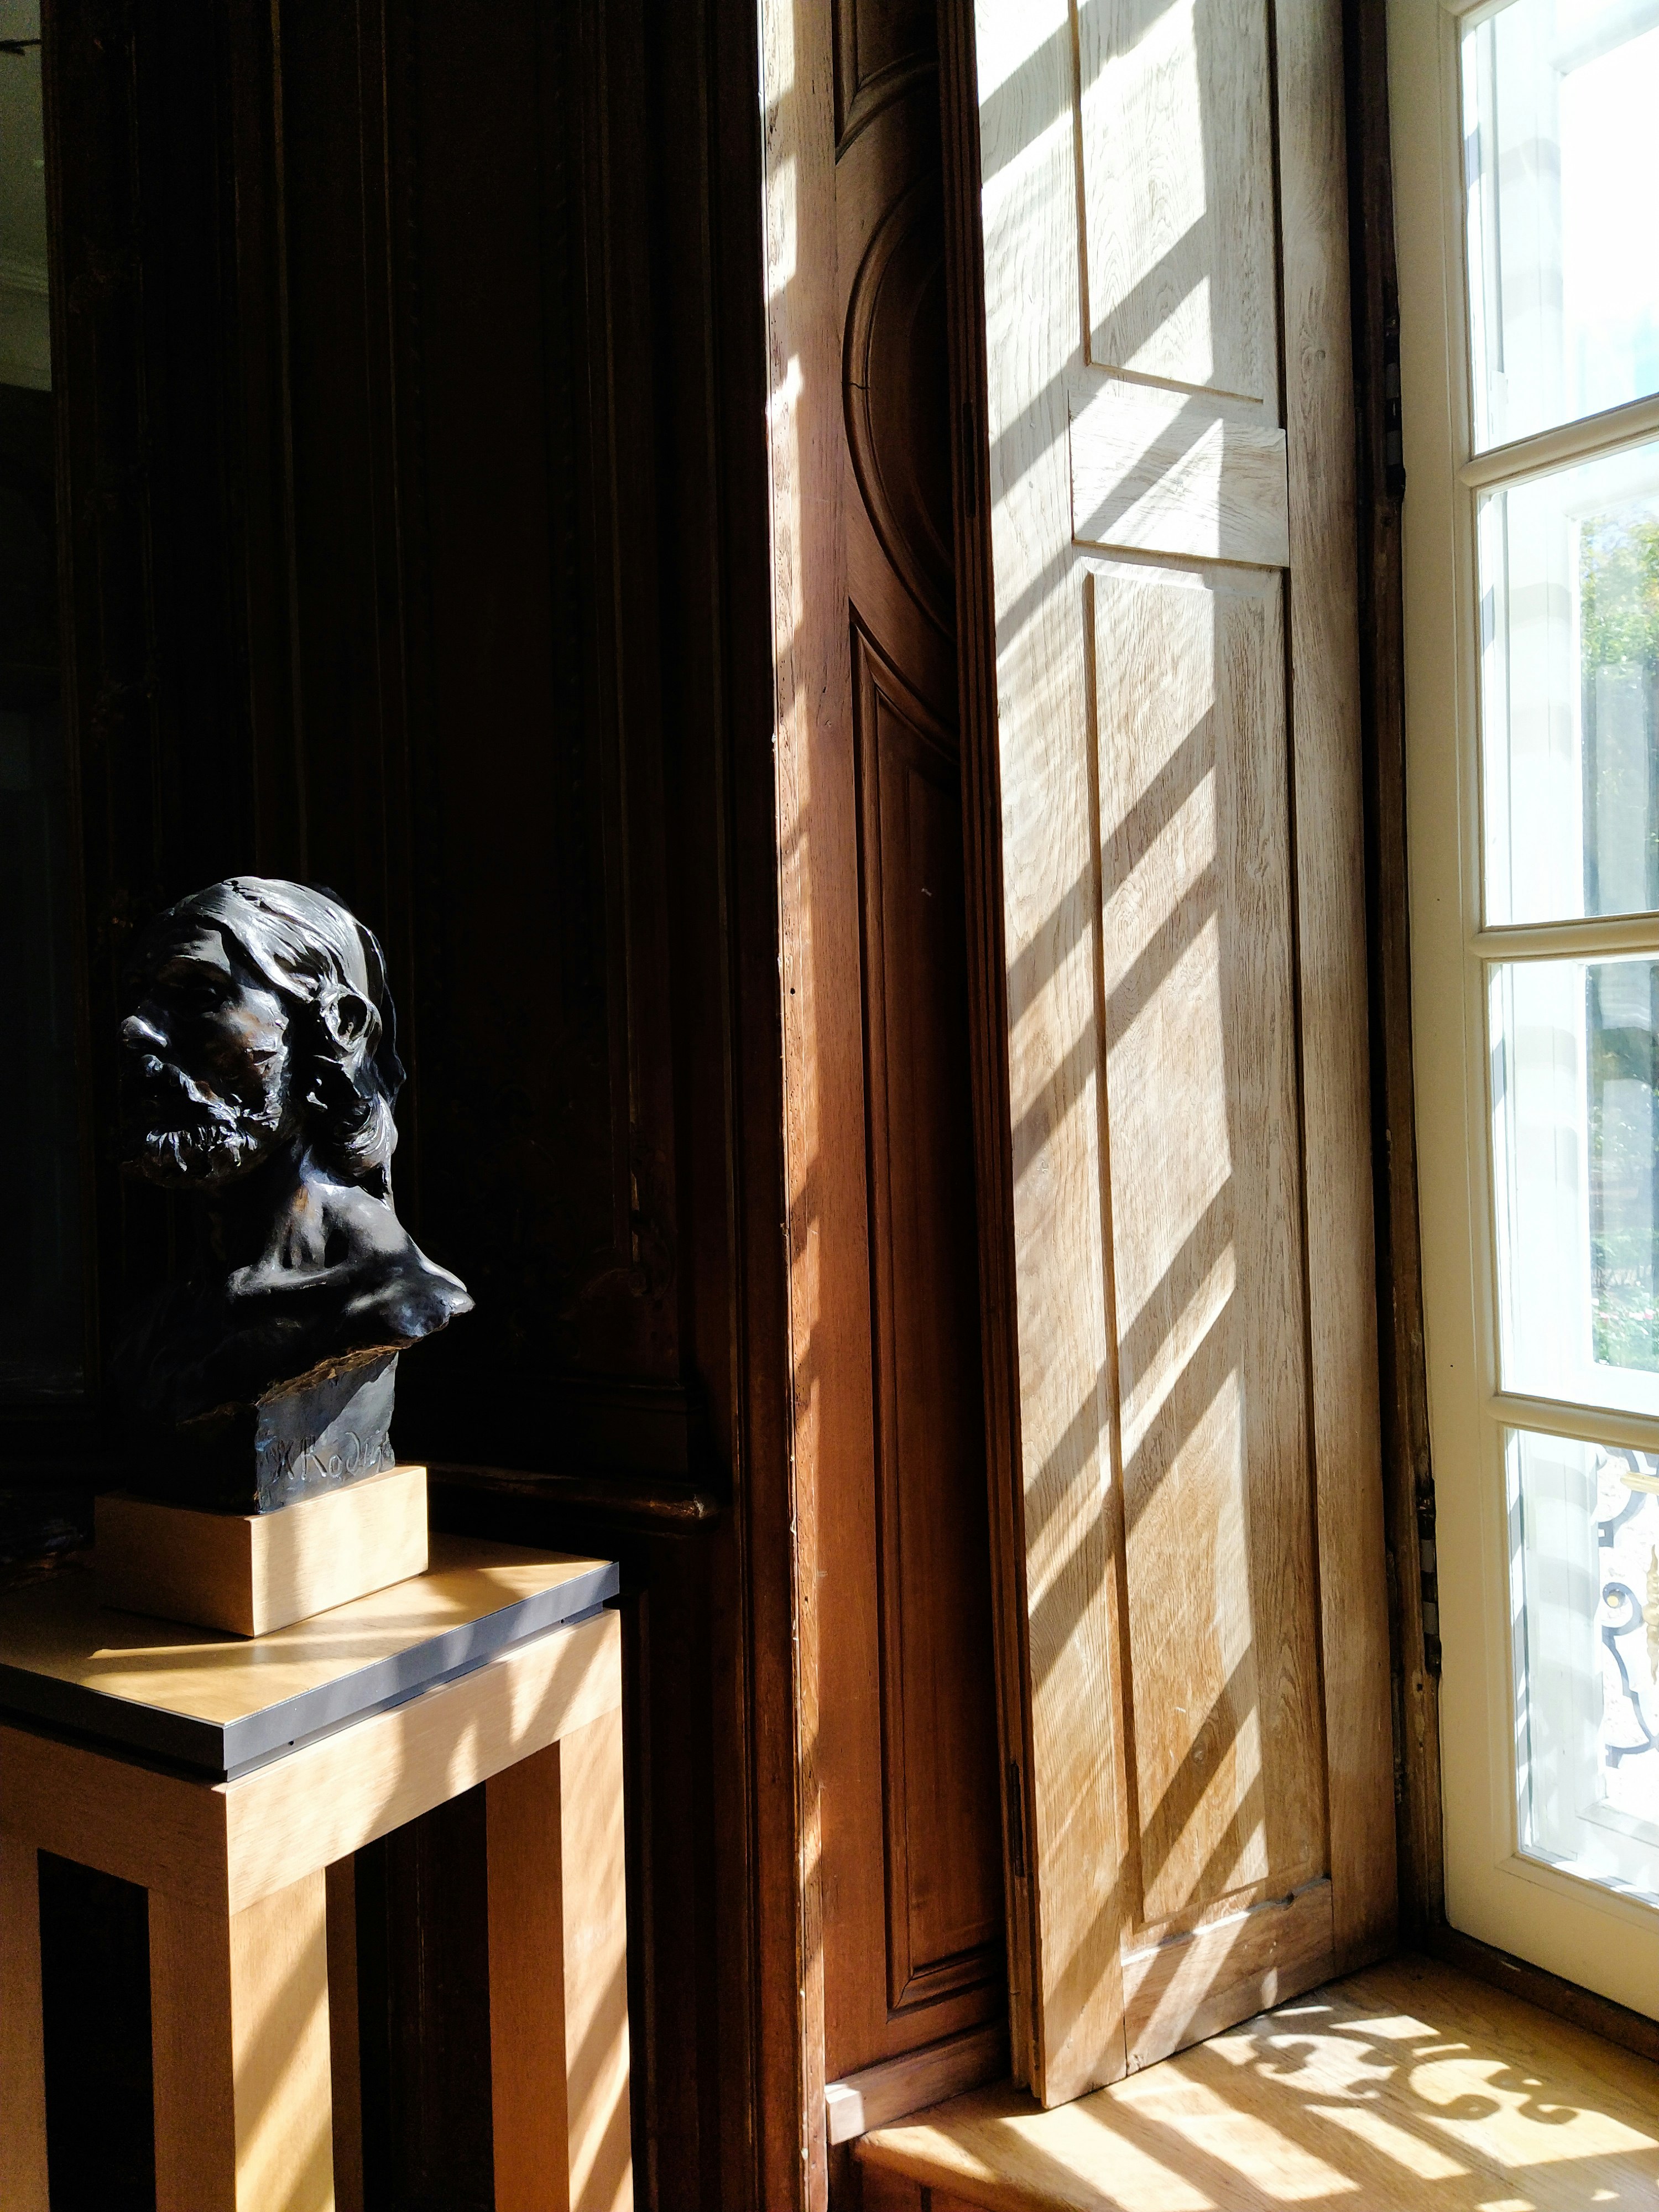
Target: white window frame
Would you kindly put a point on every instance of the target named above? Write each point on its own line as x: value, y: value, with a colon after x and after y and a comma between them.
x: 1523, y: 1904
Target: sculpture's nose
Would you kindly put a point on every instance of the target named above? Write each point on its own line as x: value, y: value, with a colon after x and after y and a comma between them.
x: 140, y: 1034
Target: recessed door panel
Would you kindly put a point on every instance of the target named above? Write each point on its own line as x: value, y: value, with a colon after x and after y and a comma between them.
x: 1178, y: 1049
x: 895, y: 1664
x: 1178, y: 193
x: 1204, y: 1239
x: 944, y: 1864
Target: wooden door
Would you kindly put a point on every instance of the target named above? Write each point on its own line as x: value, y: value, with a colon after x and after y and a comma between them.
x: 1198, y: 1693
x: 901, y: 1856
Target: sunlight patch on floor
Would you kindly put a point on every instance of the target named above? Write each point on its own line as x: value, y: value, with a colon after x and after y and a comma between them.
x: 1407, y: 2088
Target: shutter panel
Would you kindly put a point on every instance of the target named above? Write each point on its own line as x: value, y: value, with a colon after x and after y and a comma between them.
x: 1198, y: 1573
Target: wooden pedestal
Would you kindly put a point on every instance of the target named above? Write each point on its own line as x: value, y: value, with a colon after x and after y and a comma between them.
x: 251, y: 1932
x: 254, y: 1572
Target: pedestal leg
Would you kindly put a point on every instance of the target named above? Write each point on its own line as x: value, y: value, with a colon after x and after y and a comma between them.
x: 596, y: 1967
x: 558, y: 1978
x: 239, y: 2012
x: 22, y: 2074
x: 526, y: 1987
x: 346, y: 2068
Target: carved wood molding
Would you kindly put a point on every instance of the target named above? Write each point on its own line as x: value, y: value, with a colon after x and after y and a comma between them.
x: 631, y: 1502
x: 882, y: 48
x: 894, y: 433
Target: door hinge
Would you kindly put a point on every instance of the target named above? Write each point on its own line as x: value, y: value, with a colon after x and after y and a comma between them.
x: 1394, y: 434
x: 1428, y: 1570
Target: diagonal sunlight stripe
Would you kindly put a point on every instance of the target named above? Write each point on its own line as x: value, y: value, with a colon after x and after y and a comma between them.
x: 1414, y: 2156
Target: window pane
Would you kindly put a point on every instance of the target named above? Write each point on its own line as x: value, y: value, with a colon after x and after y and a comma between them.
x: 40, y: 1305
x: 1575, y: 1080
x: 1568, y: 574
x: 1584, y: 1544
x: 1559, y: 102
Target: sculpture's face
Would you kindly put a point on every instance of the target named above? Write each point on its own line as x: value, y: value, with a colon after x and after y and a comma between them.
x: 207, y: 1068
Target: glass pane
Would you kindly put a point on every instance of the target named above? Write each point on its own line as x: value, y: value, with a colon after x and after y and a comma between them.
x: 1569, y: 573
x: 1575, y: 1083
x: 1559, y: 102
x: 40, y: 1316
x: 1584, y: 1543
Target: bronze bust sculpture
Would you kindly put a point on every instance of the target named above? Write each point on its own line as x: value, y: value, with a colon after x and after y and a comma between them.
x: 259, y: 1073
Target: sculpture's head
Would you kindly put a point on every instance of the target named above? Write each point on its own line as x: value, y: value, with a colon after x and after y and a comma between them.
x: 259, y: 1015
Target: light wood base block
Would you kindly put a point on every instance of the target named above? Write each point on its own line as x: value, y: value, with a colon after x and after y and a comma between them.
x: 253, y: 1573
x: 248, y: 1961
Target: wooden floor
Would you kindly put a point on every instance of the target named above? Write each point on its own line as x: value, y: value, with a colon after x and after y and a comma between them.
x: 1409, y: 2088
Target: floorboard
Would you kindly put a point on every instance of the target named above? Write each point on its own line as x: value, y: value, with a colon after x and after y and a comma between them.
x: 1409, y: 2088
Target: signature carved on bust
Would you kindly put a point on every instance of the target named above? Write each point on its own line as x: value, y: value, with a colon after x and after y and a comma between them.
x: 259, y: 1073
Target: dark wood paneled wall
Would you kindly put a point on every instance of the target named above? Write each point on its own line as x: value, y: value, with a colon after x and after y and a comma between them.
x: 937, y: 1807
x: 412, y: 495
x: 901, y: 1870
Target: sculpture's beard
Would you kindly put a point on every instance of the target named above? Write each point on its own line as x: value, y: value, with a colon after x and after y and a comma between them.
x: 181, y: 1134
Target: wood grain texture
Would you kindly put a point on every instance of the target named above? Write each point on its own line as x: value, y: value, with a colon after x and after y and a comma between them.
x: 881, y: 47
x: 883, y: 2190
x: 1405, y: 2087
x: 256, y: 1573
x: 149, y: 1828
x: 230, y: 1920
x: 240, y: 2032
x: 527, y: 2054
x: 987, y: 997
x: 23, y: 2181
x: 1156, y: 471
x: 1067, y: 1618
x: 822, y: 1105
x: 340, y: 1793
x: 1184, y: 991
x: 226, y: 1846
x: 372, y: 492
x: 893, y: 379
x: 1206, y: 1210
x: 1332, y: 976
x: 558, y: 1985
x: 280, y: 2025
x: 883, y: 2093
x: 1408, y: 1503
x: 938, y: 1774
x: 1178, y: 193
x: 920, y: 1883
x: 595, y: 1937
x: 59, y: 1628
x: 896, y: 1773
x: 1518, y: 1978
x: 191, y: 2057
x: 1193, y: 1986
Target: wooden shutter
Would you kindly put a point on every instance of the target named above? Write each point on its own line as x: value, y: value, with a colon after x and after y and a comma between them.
x: 1198, y: 1720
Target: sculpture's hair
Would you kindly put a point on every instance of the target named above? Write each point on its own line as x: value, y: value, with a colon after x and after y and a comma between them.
x: 328, y: 966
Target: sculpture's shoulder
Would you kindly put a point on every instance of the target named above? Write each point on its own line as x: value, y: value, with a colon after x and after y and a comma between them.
x: 336, y: 1264
x: 388, y: 1288
x: 388, y: 1283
